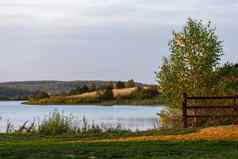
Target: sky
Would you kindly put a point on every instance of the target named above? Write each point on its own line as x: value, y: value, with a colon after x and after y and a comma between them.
x: 101, y: 40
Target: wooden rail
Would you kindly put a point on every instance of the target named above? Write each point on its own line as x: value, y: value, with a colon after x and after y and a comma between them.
x: 186, y: 107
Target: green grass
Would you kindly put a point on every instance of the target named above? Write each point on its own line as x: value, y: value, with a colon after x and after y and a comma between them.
x: 37, y: 146
x: 19, y: 147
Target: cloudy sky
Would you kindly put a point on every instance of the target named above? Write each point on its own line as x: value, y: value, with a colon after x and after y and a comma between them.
x: 101, y: 39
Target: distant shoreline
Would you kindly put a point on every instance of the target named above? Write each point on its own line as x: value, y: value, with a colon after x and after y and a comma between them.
x: 147, y: 102
x: 9, y: 100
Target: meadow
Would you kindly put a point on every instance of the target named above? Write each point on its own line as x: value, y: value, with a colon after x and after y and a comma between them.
x: 61, y: 147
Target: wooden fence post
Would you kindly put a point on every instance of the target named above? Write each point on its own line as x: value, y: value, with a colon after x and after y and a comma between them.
x: 185, y: 122
x: 234, y: 103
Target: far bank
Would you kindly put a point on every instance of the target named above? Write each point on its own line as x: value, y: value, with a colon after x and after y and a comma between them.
x: 106, y: 97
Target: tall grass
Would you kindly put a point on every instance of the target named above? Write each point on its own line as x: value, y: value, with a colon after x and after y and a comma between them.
x: 57, y: 123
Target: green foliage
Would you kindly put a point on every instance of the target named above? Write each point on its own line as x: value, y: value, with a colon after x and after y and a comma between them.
x: 4, y: 98
x: 105, y: 93
x: 195, y: 54
x: 13, y: 93
x: 109, y: 85
x: 228, y: 69
x: 228, y: 78
x: 79, y: 90
x: 130, y: 83
x: 93, y: 87
x: 142, y: 93
x: 120, y: 85
x: 55, y: 124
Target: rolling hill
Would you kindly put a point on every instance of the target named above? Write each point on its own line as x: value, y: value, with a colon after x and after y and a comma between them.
x: 28, y: 88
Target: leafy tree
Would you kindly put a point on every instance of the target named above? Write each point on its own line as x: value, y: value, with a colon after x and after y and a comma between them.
x: 195, y: 54
x: 110, y: 85
x: 145, y: 93
x: 228, y: 78
x: 93, y: 87
x: 84, y: 89
x: 105, y: 93
x: 228, y: 70
x: 79, y: 90
x: 130, y: 83
x: 120, y: 85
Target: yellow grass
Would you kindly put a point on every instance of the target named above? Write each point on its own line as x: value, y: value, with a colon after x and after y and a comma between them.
x: 125, y: 92
x: 84, y: 95
x: 212, y: 133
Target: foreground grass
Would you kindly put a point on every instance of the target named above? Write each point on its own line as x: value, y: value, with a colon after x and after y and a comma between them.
x: 65, y: 149
x: 110, y: 147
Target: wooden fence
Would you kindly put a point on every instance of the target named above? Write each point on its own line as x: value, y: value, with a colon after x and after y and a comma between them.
x: 187, y: 107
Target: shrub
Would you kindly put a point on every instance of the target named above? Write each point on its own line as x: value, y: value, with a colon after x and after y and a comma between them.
x: 130, y: 84
x: 55, y: 124
x: 120, y: 85
x: 147, y: 93
x: 79, y: 90
x: 105, y: 94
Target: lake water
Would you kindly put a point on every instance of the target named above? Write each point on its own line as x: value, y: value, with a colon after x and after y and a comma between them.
x: 129, y: 117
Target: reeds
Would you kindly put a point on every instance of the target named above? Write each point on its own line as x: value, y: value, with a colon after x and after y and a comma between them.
x: 58, y: 123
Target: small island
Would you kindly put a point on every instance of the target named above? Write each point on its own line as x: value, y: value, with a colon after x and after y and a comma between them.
x: 112, y: 93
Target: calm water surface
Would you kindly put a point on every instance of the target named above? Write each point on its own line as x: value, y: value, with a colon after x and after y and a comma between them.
x: 129, y: 117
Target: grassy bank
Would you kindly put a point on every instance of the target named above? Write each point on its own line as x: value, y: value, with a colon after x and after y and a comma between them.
x: 106, y: 96
x: 213, y: 143
x: 20, y: 147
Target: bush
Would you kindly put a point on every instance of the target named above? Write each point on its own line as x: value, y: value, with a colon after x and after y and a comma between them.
x: 130, y: 84
x: 79, y: 90
x: 56, y: 124
x: 228, y: 78
x: 120, y: 85
x: 105, y: 94
x: 143, y: 93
